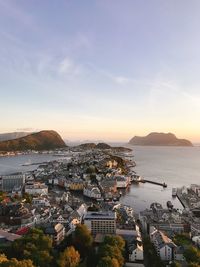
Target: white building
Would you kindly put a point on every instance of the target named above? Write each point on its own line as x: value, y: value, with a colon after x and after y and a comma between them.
x: 41, y: 201
x: 122, y: 181
x: 196, y: 240
x: 164, y: 246
x: 9, y: 182
x: 101, y: 222
x: 137, y: 253
x: 36, y: 189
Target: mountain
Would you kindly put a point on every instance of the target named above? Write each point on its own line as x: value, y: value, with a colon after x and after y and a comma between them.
x: 159, y: 139
x: 103, y: 146
x: 11, y: 136
x: 43, y: 140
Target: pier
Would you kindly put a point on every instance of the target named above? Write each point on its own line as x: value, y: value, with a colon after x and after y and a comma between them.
x: 153, y: 182
x: 181, y: 199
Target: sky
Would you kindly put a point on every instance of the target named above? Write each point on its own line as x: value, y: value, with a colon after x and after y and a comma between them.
x: 100, y: 69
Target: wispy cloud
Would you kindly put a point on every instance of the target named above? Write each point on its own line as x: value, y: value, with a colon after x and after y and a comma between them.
x: 68, y: 67
x: 12, y: 10
x: 28, y: 129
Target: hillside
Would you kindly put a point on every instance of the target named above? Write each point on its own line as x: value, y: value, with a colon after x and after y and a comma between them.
x: 159, y: 139
x: 11, y: 136
x: 43, y: 140
x: 103, y: 146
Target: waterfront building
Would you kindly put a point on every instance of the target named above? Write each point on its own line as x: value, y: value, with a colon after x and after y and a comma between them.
x: 9, y: 182
x: 170, y: 221
x: 101, y: 222
x: 122, y: 181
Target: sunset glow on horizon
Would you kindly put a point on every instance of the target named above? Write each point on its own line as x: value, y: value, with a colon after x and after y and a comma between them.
x: 100, y: 70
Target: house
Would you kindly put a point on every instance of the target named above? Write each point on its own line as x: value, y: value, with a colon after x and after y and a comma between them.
x: 92, y: 192
x: 76, y: 185
x: 164, y: 246
x: 7, y: 237
x: 136, y: 252
x: 133, y: 243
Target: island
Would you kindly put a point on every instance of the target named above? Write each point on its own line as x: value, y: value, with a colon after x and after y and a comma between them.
x: 43, y: 140
x: 159, y: 139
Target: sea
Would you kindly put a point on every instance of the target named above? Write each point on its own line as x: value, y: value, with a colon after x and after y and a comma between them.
x: 176, y: 166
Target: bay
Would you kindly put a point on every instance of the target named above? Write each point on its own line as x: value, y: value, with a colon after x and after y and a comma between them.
x: 176, y: 166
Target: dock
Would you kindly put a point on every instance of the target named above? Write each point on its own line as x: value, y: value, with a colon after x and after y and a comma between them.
x: 181, y: 199
x: 153, y: 182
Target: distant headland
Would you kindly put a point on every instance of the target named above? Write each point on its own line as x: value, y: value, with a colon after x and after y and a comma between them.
x: 159, y: 139
x: 43, y: 140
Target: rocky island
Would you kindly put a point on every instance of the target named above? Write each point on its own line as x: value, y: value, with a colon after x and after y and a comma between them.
x: 43, y: 140
x: 159, y: 139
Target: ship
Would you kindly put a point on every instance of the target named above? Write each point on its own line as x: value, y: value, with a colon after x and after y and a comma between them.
x: 174, y: 192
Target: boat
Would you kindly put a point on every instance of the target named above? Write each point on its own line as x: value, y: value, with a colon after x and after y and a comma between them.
x: 169, y: 205
x: 174, y: 192
x: 164, y: 185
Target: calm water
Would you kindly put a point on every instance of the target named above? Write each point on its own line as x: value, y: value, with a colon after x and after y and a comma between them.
x: 176, y: 166
x: 14, y: 164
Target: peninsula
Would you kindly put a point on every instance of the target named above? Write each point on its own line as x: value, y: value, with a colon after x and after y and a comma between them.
x: 43, y: 140
x: 159, y: 139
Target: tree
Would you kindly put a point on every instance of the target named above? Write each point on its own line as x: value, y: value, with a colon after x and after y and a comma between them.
x: 27, y: 197
x: 108, y: 262
x: 92, y: 258
x: 193, y: 264
x: 106, y: 250
x: 111, y: 250
x: 69, y: 258
x: 175, y: 264
x: 16, y: 263
x: 116, y: 241
x: 35, y: 246
x: 3, y: 258
x: 82, y: 239
x: 192, y: 255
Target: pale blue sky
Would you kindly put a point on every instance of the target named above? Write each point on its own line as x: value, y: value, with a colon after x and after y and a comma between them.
x: 106, y: 69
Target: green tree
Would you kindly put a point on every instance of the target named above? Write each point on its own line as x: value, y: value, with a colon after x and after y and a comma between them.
x: 175, y: 264
x: 82, y: 239
x: 108, y: 262
x: 106, y: 250
x: 35, y: 246
x: 151, y: 255
x: 115, y: 241
x: 192, y: 255
x: 69, y: 258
